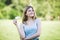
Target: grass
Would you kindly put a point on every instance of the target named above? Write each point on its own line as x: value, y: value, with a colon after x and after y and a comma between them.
x: 50, y: 30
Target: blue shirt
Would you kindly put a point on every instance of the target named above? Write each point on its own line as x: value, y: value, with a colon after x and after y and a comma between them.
x: 30, y: 30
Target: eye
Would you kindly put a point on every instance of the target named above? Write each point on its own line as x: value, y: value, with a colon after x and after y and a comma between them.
x: 29, y: 10
x: 32, y: 10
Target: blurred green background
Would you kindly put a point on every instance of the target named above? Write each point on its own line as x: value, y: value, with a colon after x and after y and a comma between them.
x: 47, y: 10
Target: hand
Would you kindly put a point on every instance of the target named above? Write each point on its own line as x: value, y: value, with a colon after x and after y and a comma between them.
x: 15, y: 21
x: 23, y: 38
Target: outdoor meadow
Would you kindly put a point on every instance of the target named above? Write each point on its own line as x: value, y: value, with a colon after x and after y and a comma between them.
x: 46, y: 10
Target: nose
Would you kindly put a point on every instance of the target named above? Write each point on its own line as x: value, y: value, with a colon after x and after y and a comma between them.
x: 31, y: 11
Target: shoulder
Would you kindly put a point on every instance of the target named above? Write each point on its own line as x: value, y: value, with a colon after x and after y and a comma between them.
x: 38, y: 20
x: 21, y: 24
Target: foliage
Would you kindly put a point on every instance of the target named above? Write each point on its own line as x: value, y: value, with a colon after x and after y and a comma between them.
x: 42, y: 8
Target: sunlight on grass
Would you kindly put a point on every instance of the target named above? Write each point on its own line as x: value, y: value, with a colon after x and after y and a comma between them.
x: 50, y: 30
x: 8, y: 31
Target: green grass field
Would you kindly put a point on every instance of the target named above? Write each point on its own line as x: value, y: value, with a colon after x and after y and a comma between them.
x: 50, y: 30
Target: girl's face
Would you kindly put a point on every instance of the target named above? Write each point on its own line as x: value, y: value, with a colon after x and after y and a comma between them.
x: 30, y: 12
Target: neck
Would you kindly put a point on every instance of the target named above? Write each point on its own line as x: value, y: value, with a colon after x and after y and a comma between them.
x: 29, y: 19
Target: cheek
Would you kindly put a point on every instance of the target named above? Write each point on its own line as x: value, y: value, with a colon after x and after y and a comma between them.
x: 27, y: 14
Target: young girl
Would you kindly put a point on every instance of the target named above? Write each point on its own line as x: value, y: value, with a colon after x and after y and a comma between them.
x: 30, y: 27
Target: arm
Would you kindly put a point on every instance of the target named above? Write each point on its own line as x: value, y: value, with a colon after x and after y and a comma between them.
x: 20, y: 29
x: 37, y: 34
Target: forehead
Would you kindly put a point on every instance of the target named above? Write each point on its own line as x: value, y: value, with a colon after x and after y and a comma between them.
x: 30, y: 9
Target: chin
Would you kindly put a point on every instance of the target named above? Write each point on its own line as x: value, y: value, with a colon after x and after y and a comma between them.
x: 31, y: 15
